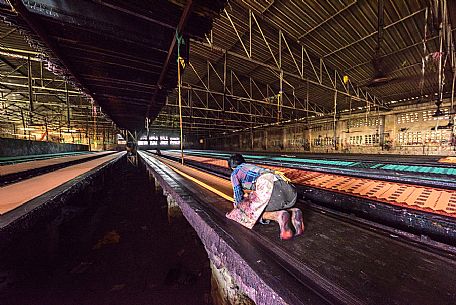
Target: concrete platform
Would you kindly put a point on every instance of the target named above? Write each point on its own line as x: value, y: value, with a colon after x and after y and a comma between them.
x: 423, y: 210
x: 335, y: 261
x: 25, y: 203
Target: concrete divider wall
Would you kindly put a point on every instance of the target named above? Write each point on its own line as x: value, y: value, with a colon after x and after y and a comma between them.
x: 16, y: 147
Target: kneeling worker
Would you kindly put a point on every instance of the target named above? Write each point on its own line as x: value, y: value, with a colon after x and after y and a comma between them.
x: 271, y: 197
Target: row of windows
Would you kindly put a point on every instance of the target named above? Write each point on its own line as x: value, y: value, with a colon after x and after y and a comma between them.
x: 368, y: 139
x: 295, y: 129
x: 410, y: 117
x: 155, y: 138
x: 426, y: 115
x: 320, y: 127
x: 5, y: 130
x: 418, y: 137
x: 296, y: 142
x: 164, y: 140
x: 276, y: 143
x: 327, y: 141
x: 353, y: 123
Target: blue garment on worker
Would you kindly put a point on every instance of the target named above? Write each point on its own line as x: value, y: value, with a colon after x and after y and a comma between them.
x: 243, y: 178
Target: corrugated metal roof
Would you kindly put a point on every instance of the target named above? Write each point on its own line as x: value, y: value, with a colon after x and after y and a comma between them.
x: 114, y: 50
x: 118, y: 48
x: 341, y: 33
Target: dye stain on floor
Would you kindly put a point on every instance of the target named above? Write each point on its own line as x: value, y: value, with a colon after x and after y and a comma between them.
x: 121, y: 250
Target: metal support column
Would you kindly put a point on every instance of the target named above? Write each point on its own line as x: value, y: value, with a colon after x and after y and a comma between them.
x: 30, y: 87
x: 179, y: 85
x: 23, y: 121
x: 67, y: 99
x: 46, y: 126
x: 335, y: 117
x: 280, y: 97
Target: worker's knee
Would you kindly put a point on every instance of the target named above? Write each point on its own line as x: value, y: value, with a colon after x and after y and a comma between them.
x: 284, y: 196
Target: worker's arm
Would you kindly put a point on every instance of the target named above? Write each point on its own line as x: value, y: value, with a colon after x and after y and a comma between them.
x: 238, y: 192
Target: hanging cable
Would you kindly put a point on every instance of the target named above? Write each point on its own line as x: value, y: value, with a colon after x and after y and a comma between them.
x: 423, y: 59
x: 180, y: 61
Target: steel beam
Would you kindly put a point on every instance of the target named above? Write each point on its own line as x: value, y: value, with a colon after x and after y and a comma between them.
x: 247, y: 99
x: 374, y: 100
x: 182, y: 21
x: 33, y: 22
x: 39, y: 88
x: 286, y: 73
x: 30, y: 85
x: 135, y: 14
x: 326, y: 20
x: 249, y: 115
x: 373, y: 33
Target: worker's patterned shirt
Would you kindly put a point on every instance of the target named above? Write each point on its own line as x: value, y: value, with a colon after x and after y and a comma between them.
x: 243, y: 178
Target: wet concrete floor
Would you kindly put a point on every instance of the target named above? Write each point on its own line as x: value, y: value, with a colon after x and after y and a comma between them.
x: 119, y: 249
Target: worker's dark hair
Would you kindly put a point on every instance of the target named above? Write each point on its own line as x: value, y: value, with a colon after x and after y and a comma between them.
x: 235, y: 160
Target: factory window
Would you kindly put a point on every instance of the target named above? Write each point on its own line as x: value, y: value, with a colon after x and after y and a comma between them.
x: 174, y: 141
x: 296, y: 142
x: 320, y: 141
x: 420, y: 138
x: 329, y: 141
x: 370, y: 139
x: 356, y: 123
x: 437, y: 136
x: 276, y: 143
x: 375, y: 122
x: 428, y: 115
x: 324, y: 126
x: 410, y: 117
x: 361, y: 122
x: 375, y: 139
x: 358, y: 140
x: 155, y: 140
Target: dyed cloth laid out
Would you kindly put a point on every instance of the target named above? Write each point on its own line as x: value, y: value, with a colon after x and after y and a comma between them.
x: 249, y: 210
x: 448, y: 160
